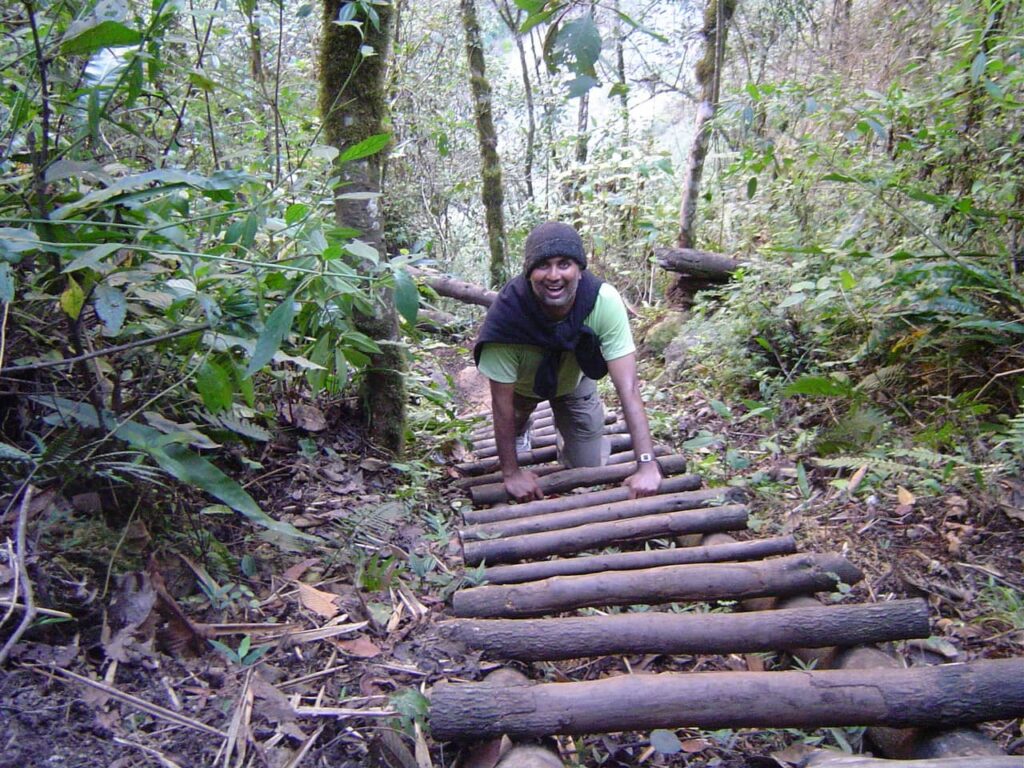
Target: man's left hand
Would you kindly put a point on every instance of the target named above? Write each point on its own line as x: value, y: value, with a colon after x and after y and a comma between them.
x: 645, y: 481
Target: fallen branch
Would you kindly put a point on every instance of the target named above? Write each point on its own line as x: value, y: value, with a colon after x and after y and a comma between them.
x: 690, y: 633
x: 919, y: 697
x: 561, y: 482
x: 632, y: 561
x: 452, y: 288
x: 24, y: 582
x: 580, y: 538
x: 575, y: 501
x: 792, y: 575
x: 714, y: 266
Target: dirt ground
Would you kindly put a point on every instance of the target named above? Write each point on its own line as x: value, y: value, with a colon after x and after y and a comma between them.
x: 227, y: 649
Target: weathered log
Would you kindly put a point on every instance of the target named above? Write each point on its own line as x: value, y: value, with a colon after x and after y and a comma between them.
x: 618, y: 510
x: 930, y: 697
x: 541, y: 441
x: 575, y: 501
x: 452, y: 288
x: 580, y: 538
x: 790, y: 575
x: 542, y: 416
x: 561, y: 482
x: 632, y: 561
x: 715, y: 266
x: 698, y: 633
x: 541, y: 428
x: 618, y: 444
x: 826, y: 758
x: 436, y: 321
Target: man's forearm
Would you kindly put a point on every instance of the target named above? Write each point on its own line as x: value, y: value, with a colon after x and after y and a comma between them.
x: 503, y: 413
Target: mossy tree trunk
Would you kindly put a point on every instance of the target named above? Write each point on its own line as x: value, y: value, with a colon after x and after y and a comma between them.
x: 493, y: 193
x: 709, y: 73
x: 353, y: 108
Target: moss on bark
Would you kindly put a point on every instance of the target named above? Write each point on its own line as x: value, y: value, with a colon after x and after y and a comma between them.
x: 353, y: 108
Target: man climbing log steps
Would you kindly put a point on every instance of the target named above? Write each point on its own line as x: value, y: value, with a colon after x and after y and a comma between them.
x: 552, y: 332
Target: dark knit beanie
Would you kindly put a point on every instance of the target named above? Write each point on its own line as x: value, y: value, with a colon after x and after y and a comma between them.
x: 553, y: 238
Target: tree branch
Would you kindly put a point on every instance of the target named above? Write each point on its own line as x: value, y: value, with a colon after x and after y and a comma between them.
x: 104, y: 352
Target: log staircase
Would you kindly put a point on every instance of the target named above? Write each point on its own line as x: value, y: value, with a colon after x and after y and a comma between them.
x: 537, y: 573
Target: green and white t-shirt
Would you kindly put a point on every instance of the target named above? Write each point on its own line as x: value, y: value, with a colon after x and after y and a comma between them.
x: 517, y: 363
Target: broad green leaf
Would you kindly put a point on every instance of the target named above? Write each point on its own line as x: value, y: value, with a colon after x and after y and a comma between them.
x: 848, y: 281
x: 93, y: 258
x: 839, y: 177
x: 536, y: 18
x: 666, y: 742
x: 619, y: 89
x: 530, y: 6
x: 579, y: 86
x: 215, y: 386
x: 295, y: 213
x: 576, y: 45
x: 111, y: 306
x: 365, y: 148
x: 407, y: 296
x: 192, y: 469
x: 751, y: 187
x: 176, y: 460
x: 73, y: 298
x: 362, y: 250
x: 201, y: 81
x: 304, y: 10
x: 277, y: 327
x: 792, y: 300
x: 14, y: 241
x: 164, y: 178
x: 978, y: 66
x: 818, y: 386
x: 11, y: 453
x: 6, y: 283
x: 103, y: 34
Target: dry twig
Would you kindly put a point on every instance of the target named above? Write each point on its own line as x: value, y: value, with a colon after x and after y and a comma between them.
x: 21, y: 558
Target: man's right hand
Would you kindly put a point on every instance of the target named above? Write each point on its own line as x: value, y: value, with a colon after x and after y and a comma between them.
x: 522, y: 485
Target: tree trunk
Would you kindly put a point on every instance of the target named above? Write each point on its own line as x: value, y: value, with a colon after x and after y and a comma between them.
x: 560, y: 482
x: 575, y: 501
x: 713, y: 266
x: 349, y: 117
x: 716, y: 24
x: 460, y: 290
x: 493, y: 193
x: 796, y: 574
x: 512, y: 22
x: 631, y: 561
x: 618, y: 510
x: 690, y: 633
x: 929, y: 697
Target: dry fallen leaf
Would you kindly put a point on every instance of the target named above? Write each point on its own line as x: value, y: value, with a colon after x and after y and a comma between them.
x: 905, y: 497
x: 695, y: 745
x: 295, y: 572
x: 320, y: 602
x: 361, y: 646
x: 855, y: 480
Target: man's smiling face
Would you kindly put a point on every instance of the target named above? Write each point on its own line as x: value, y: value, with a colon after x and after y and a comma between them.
x: 554, y: 282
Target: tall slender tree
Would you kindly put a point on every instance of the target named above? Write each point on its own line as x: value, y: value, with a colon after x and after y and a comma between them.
x: 353, y: 108
x: 709, y: 72
x: 493, y: 193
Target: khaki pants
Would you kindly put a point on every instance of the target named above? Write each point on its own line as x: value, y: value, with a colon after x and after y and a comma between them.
x: 579, y: 421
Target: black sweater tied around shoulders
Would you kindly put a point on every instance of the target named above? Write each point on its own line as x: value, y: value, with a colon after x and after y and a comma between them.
x: 516, y: 317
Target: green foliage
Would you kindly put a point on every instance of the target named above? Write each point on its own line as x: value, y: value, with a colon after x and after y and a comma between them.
x: 245, y: 655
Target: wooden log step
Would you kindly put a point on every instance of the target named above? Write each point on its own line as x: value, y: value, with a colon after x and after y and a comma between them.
x: 621, y: 454
x: 575, y: 501
x: 567, y: 480
x: 791, y: 575
x: 928, y: 697
x: 539, y: 429
x: 540, y: 413
x: 697, y: 633
x: 826, y: 758
x: 757, y: 549
x: 617, y: 442
x: 580, y: 538
x: 618, y: 510
x: 543, y: 441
